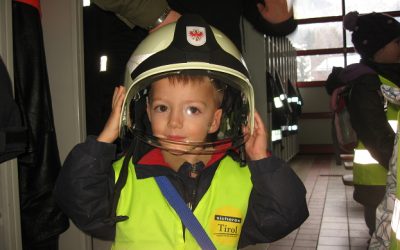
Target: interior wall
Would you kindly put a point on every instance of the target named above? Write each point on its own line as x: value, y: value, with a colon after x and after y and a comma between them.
x: 10, y: 230
x: 62, y: 31
x: 315, y: 132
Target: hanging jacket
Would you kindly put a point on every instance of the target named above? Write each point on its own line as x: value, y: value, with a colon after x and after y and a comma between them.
x: 86, y: 184
x: 41, y: 219
x: 12, y: 133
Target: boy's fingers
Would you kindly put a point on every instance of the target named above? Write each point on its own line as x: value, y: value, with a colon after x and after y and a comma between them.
x: 119, y: 95
x: 258, y: 122
x: 115, y: 94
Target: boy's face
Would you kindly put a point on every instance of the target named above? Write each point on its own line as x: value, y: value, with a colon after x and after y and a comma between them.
x: 183, y: 112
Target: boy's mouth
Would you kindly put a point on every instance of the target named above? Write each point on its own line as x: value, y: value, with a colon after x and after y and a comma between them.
x: 176, y: 138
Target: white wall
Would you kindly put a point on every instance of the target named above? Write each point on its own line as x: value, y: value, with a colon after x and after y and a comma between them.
x: 315, y: 131
x: 10, y: 229
x: 62, y: 31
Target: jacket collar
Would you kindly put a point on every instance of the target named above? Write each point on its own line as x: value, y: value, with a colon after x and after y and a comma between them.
x: 153, y: 164
x: 154, y: 157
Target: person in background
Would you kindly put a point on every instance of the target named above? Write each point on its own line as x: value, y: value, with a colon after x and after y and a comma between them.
x: 114, y: 28
x: 376, y: 37
x: 191, y: 102
x: 270, y: 17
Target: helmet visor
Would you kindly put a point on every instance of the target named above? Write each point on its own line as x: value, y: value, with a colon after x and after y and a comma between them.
x: 234, y: 103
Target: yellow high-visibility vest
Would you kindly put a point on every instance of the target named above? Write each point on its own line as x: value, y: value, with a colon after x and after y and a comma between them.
x: 154, y: 224
x: 366, y: 170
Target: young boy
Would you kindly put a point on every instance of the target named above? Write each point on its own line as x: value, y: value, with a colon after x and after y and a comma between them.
x: 190, y: 109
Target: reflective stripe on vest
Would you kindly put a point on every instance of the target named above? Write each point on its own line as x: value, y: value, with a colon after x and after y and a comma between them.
x: 366, y: 170
x: 153, y: 224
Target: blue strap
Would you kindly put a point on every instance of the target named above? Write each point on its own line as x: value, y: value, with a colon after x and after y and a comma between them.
x: 186, y: 215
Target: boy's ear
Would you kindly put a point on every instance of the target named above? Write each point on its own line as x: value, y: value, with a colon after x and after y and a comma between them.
x: 215, y: 122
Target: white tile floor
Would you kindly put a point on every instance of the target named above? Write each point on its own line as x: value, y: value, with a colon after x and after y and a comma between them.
x: 336, y: 221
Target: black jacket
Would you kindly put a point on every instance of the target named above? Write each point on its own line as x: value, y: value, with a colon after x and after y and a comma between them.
x: 367, y: 112
x: 226, y: 14
x: 12, y: 133
x: 85, y: 186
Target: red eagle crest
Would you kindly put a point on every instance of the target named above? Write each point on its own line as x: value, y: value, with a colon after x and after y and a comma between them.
x: 196, y: 35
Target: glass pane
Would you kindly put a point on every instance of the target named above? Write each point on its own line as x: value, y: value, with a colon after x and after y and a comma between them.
x: 320, y: 8
x: 317, y: 36
x: 349, y: 43
x: 372, y: 5
x: 318, y: 67
x: 353, y: 58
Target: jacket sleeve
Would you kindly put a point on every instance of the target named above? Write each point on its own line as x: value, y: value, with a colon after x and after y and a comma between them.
x: 251, y: 13
x: 369, y: 120
x: 277, y: 202
x: 85, y: 185
x: 142, y: 13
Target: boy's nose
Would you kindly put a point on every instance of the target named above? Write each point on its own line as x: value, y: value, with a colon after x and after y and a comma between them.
x: 175, y: 120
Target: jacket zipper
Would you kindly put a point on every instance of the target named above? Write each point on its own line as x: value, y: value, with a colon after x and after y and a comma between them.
x: 192, y: 174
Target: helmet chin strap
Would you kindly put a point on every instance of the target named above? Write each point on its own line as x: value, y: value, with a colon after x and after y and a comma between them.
x: 208, y: 127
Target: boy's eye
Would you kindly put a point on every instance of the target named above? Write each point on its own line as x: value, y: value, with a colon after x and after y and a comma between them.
x: 161, y: 108
x: 192, y: 110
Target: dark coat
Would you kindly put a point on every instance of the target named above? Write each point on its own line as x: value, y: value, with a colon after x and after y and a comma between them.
x: 366, y: 108
x: 226, y: 14
x: 368, y: 118
x: 85, y: 191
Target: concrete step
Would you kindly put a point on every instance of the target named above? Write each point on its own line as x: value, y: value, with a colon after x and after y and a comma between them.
x: 347, y: 157
x: 348, y: 180
x: 348, y: 165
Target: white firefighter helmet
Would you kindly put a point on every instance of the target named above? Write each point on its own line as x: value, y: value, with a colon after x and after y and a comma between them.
x: 192, y: 47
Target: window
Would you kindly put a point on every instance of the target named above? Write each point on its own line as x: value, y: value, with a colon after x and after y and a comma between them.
x: 367, y: 6
x: 310, y: 8
x: 317, y: 36
x: 320, y: 40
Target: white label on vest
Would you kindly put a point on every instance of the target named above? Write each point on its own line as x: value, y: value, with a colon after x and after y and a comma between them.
x: 226, y: 225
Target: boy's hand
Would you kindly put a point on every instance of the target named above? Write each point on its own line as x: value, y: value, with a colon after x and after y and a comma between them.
x: 172, y: 16
x: 111, y: 129
x: 256, y: 145
x: 275, y: 11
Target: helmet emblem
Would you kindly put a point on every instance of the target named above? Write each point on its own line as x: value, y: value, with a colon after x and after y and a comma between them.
x: 196, y: 36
